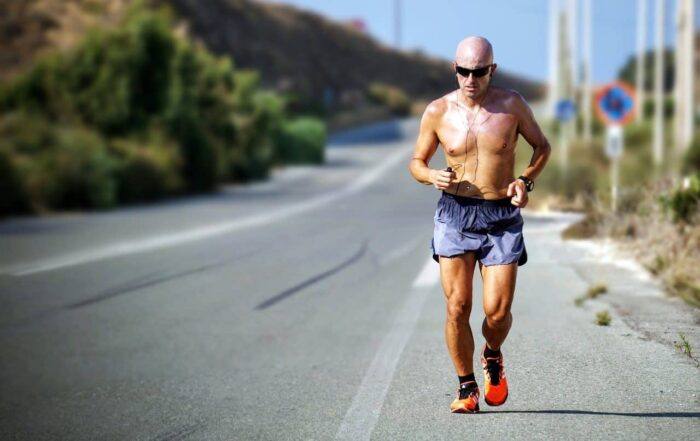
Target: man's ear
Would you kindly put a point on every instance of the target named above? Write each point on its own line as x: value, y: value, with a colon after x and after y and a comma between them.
x: 493, y: 69
x: 454, y: 67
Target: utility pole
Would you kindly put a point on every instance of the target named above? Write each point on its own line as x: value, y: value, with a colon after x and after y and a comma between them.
x: 683, y: 118
x: 397, y: 23
x: 587, y: 60
x: 575, y: 68
x: 641, y: 56
x: 553, y: 95
x: 566, y: 88
x: 659, y: 84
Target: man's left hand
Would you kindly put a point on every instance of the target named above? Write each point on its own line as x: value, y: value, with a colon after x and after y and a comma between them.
x: 518, y: 193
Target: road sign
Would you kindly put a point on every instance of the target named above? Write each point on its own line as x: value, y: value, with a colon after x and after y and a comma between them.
x: 614, y: 141
x: 615, y: 103
x: 613, y: 149
x: 565, y: 110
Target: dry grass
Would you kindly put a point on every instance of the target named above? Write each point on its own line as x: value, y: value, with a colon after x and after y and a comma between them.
x: 670, y: 251
x: 684, y: 346
x: 603, y: 318
x: 592, y: 292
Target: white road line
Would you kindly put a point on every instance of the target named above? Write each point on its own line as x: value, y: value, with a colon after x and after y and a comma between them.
x: 429, y: 275
x: 168, y: 240
x: 366, y: 406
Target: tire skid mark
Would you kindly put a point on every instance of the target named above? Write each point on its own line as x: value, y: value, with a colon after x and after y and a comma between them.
x: 314, y: 279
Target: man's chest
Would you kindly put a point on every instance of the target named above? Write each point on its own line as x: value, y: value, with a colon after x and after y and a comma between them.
x: 489, y: 132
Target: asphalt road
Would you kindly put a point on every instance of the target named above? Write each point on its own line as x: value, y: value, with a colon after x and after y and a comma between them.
x: 306, y: 307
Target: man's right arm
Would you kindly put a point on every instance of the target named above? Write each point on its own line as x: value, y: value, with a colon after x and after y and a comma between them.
x: 426, y: 145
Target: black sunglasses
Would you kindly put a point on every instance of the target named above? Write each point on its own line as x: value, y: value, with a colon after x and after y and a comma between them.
x: 478, y: 72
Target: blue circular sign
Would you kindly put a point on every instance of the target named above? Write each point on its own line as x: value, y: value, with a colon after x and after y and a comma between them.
x: 565, y: 110
x: 616, y: 103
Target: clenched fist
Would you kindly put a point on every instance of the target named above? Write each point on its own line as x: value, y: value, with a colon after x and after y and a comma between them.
x: 517, y: 190
x: 442, y: 179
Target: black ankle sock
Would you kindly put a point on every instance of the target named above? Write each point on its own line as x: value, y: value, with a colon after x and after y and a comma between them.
x: 465, y: 378
x: 490, y: 353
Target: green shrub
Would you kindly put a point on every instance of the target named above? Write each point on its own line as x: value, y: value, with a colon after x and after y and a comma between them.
x: 391, y: 96
x: 198, y: 149
x: 638, y: 135
x: 650, y: 105
x: 75, y: 172
x: 13, y: 197
x: 146, y: 169
x: 255, y: 129
x: 302, y: 140
x: 120, y: 78
x: 682, y: 203
x: 112, y: 89
x: 691, y: 159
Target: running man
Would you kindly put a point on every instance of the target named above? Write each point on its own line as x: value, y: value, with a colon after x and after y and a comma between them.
x: 478, y: 214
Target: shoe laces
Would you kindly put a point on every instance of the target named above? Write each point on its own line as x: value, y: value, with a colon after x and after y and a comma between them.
x: 493, y: 367
x: 467, y: 389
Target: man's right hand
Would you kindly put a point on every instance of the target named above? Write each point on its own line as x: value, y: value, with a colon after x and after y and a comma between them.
x: 442, y: 179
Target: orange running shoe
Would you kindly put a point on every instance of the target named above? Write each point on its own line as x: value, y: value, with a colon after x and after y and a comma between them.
x: 467, y: 400
x: 496, y: 388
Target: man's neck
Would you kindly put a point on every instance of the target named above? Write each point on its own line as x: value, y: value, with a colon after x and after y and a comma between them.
x: 472, y: 103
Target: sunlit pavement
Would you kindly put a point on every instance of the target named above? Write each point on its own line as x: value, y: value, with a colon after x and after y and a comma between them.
x: 307, y: 307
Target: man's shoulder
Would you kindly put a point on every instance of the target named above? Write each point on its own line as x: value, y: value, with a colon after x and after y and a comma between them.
x: 509, y: 97
x: 437, y: 107
x: 512, y: 102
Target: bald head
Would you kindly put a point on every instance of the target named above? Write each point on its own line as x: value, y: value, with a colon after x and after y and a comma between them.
x: 473, y: 52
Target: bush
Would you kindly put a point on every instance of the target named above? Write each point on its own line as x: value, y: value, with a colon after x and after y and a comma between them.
x: 691, y: 159
x: 13, y: 198
x: 75, y: 172
x: 650, y: 105
x: 682, y: 203
x: 391, y: 96
x: 638, y: 135
x: 146, y: 169
x: 256, y: 129
x: 302, y: 140
x: 112, y: 89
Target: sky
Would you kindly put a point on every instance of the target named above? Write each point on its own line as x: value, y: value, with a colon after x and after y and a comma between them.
x: 518, y: 29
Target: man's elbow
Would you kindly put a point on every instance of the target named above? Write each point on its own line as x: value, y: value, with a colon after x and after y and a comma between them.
x: 412, y: 168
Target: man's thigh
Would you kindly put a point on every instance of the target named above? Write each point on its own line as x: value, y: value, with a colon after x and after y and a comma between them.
x: 457, y: 274
x: 499, y: 286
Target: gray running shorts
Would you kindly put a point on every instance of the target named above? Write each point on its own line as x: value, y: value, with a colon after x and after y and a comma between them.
x: 493, y: 229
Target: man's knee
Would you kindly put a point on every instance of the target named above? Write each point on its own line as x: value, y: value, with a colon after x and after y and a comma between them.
x: 498, y: 317
x: 459, y: 309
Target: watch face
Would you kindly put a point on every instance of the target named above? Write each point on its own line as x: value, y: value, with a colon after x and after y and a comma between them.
x: 529, y: 185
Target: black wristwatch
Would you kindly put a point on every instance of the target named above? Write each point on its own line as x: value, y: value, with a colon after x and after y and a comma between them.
x: 529, y: 184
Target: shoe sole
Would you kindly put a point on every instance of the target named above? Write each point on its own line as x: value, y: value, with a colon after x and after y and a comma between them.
x: 462, y: 410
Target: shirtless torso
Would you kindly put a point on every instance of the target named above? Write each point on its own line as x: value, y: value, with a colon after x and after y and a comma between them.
x: 478, y: 143
x: 483, y: 155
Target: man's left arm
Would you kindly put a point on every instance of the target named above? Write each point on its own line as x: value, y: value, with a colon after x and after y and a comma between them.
x: 531, y: 131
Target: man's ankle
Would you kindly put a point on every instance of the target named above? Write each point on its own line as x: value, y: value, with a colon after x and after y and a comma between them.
x: 490, y: 353
x: 466, y: 378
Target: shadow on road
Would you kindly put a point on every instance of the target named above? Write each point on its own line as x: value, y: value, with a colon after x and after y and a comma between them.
x: 590, y: 412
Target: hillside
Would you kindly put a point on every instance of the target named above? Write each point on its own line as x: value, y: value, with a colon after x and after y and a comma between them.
x: 293, y: 49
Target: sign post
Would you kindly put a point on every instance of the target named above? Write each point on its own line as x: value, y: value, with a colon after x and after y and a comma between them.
x: 615, y: 104
x: 614, y: 145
